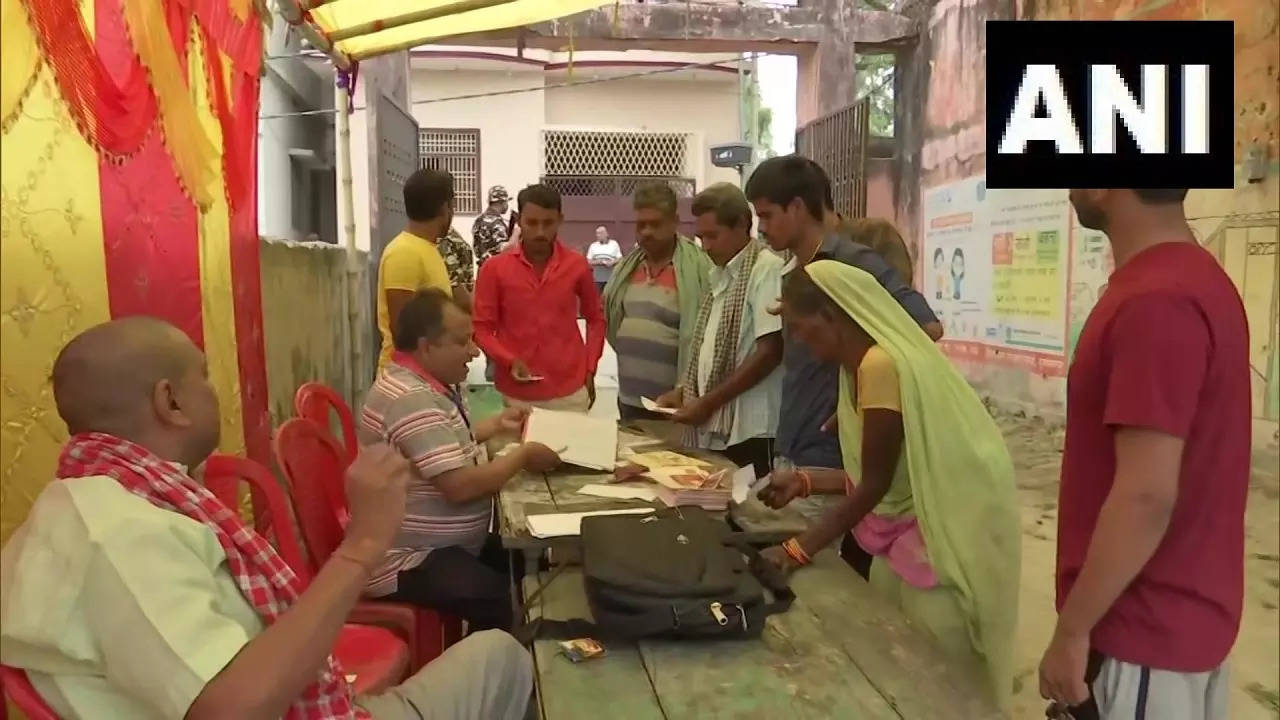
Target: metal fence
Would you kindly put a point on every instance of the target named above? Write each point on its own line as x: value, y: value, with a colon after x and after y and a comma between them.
x: 838, y: 142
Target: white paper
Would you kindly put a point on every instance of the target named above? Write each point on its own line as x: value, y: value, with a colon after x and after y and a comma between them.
x: 743, y: 479
x: 589, y: 442
x: 621, y: 492
x: 562, y: 524
x: 652, y: 406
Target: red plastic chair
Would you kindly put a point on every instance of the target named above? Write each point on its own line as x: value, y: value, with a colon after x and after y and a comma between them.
x: 17, y: 687
x: 314, y: 401
x: 379, y: 657
x: 312, y: 463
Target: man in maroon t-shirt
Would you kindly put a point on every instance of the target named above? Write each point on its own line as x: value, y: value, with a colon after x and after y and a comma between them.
x: 1154, y: 476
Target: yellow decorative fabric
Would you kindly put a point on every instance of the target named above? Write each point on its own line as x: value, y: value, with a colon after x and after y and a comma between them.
x: 53, y: 283
x: 217, y: 301
x: 362, y: 14
x: 20, y: 58
x: 194, y: 155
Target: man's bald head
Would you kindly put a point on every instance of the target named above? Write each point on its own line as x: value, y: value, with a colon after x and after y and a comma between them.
x: 137, y: 377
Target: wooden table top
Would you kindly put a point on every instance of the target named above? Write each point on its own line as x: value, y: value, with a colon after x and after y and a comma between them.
x: 839, y: 652
x: 557, y: 492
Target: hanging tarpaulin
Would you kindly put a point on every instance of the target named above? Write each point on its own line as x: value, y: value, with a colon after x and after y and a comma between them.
x: 359, y: 29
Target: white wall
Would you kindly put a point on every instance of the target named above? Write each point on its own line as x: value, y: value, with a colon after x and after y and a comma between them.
x: 707, y: 107
x: 510, y: 125
x: 275, y: 178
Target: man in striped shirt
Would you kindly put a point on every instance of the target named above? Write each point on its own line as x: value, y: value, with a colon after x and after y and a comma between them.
x: 444, y: 556
x: 652, y: 302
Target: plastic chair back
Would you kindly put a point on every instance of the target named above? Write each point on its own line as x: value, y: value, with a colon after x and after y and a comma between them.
x: 313, y: 465
x: 314, y: 401
x: 272, y: 518
x: 18, y: 688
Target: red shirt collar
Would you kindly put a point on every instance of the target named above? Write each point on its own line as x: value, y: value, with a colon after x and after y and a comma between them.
x: 555, y: 253
x: 407, y: 361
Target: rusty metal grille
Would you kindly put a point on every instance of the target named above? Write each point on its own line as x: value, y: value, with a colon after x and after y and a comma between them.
x: 838, y: 142
x: 458, y: 152
x: 577, y: 153
x: 580, y: 186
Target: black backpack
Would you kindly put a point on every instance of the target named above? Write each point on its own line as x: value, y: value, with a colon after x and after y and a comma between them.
x: 678, y: 573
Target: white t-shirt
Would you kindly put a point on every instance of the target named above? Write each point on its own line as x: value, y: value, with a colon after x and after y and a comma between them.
x: 607, y: 249
x: 610, y: 252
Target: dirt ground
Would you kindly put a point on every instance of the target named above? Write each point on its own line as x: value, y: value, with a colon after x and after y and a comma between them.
x: 1255, y: 662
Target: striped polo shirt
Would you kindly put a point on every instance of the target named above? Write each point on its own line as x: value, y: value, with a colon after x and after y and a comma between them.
x: 416, y: 415
x: 648, y: 338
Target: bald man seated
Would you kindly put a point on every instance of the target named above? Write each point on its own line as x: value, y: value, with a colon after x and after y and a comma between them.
x: 131, y: 592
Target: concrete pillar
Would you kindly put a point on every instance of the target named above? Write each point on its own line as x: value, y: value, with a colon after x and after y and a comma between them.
x: 824, y: 73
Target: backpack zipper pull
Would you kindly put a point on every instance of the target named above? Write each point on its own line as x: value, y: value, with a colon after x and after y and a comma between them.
x: 718, y: 613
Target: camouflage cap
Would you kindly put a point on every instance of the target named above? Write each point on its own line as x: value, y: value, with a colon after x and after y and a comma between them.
x: 497, y: 193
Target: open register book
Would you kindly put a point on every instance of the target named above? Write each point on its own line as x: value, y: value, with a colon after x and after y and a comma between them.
x: 580, y: 439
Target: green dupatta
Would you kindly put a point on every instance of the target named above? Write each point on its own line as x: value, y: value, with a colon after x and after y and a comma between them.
x: 693, y: 268
x: 961, y: 475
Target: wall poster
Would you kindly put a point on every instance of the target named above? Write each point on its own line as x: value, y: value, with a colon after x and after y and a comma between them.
x: 997, y: 267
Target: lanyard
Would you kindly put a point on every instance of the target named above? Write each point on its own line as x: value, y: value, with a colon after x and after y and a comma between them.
x: 407, y: 361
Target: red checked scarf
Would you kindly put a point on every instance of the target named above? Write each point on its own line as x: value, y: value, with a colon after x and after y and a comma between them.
x: 266, y: 581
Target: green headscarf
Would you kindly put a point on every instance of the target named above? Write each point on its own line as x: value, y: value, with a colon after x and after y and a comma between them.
x: 692, y: 267
x: 961, y: 476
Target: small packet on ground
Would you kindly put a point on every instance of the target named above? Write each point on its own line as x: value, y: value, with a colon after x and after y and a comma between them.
x: 582, y: 649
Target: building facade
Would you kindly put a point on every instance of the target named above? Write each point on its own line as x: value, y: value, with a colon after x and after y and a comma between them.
x: 592, y: 125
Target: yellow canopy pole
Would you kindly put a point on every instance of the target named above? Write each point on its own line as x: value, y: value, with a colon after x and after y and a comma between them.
x: 381, y: 24
x: 293, y: 14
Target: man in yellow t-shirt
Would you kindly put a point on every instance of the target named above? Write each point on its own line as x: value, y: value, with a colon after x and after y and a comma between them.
x: 412, y: 260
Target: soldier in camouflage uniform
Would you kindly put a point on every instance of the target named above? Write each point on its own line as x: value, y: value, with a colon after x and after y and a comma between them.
x: 489, y: 233
x: 458, y: 260
x: 488, y: 236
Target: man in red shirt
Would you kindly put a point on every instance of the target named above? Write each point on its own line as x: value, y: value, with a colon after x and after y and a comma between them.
x: 526, y: 313
x: 1154, y: 476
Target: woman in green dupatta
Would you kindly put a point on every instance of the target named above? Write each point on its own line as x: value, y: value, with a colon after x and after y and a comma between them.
x: 928, y: 480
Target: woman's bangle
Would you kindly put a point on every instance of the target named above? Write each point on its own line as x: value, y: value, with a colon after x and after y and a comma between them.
x: 796, y: 552
x: 806, y: 483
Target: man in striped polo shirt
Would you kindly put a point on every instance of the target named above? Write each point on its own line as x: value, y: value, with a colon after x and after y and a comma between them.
x: 652, y: 300
x: 444, y: 556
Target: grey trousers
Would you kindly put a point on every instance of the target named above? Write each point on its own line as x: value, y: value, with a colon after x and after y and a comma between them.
x: 1131, y: 692
x: 487, y: 676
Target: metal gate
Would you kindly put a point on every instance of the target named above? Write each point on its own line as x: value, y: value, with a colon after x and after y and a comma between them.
x: 838, y: 142
x: 592, y: 201
x: 394, y: 137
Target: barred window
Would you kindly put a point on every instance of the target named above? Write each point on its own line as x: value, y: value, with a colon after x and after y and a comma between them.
x: 456, y: 150
x: 615, y: 153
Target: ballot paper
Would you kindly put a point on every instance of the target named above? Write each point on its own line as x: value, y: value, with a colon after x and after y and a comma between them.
x: 563, y: 524
x: 652, y: 406
x: 744, y: 480
x: 621, y: 492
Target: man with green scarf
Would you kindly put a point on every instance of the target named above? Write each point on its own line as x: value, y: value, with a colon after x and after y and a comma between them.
x: 652, y: 300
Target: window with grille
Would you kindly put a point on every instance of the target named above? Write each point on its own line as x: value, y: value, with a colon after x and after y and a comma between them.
x: 457, y: 151
x: 614, y: 153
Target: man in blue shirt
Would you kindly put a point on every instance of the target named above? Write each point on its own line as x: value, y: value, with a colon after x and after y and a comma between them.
x: 791, y: 196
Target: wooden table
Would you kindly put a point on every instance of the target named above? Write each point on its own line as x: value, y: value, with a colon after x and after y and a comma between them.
x: 840, y: 652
